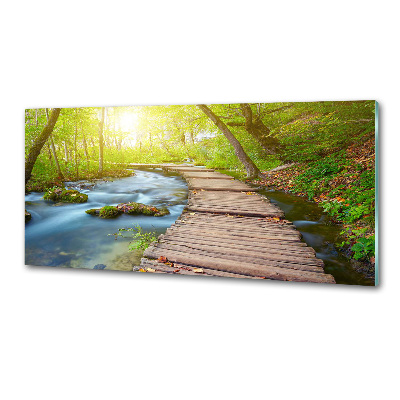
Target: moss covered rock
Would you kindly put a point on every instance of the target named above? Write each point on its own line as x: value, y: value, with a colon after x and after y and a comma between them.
x: 109, y: 212
x: 139, y: 208
x: 127, y: 208
x: 65, y: 195
x: 93, y: 211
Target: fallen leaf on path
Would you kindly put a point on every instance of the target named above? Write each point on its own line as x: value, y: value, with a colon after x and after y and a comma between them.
x: 150, y: 269
x: 198, y: 270
x: 162, y: 259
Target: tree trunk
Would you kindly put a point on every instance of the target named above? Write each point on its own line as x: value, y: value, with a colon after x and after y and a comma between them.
x: 53, y: 150
x: 75, y: 147
x: 65, y: 152
x: 251, y: 169
x: 151, y: 144
x: 49, y: 151
x: 39, y: 142
x: 101, y: 144
x: 164, y: 144
x: 256, y: 128
x: 85, y: 148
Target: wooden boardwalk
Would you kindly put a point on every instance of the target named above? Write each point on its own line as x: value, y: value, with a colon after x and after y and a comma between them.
x: 228, y: 230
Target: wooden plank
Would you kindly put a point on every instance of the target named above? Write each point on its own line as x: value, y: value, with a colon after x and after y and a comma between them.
x: 275, y: 273
x: 299, y: 252
x: 240, y: 227
x: 236, y: 212
x: 219, y: 185
x: 205, y: 175
x: 184, y: 269
x: 250, y: 233
x: 234, y: 219
x: 220, y: 217
x: 186, y: 168
x: 236, y: 208
x: 283, y: 260
x: 235, y: 239
x: 238, y: 235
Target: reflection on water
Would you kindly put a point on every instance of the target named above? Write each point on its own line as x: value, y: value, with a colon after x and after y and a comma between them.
x: 62, y: 234
x: 318, y: 233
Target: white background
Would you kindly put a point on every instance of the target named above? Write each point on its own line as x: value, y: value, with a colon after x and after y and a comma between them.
x: 69, y: 334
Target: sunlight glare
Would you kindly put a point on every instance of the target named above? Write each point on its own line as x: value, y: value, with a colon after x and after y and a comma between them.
x: 128, y: 121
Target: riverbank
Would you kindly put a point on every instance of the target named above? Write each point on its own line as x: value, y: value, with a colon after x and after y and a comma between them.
x: 43, y: 183
x: 343, y: 185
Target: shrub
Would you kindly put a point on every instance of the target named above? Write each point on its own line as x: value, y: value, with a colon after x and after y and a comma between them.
x: 364, y: 248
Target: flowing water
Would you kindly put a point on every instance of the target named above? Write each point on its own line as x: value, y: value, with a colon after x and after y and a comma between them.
x: 319, y: 233
x: 63, y: 235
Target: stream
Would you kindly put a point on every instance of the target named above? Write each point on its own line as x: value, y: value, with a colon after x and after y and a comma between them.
x: 63, y: 235
x: 319, y: 233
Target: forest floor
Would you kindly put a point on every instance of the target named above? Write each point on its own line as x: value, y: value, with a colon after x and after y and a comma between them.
x: 343, y: 184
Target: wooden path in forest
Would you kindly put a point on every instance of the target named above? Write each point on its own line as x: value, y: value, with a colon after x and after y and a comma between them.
x: 229, y: 230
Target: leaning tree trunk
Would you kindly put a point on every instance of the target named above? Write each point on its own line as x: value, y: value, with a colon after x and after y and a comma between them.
x: 256, y: 128
x: 101, y: 143
x: 39, y: 142
x: 251, y: 169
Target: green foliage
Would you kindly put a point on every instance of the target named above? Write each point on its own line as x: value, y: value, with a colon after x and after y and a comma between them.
x: 313, y: 130
x: 141, y: 239
x: 364, y: 248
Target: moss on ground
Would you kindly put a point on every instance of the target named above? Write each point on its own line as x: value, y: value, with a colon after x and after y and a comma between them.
x: 139, y: 208
x: 127, y: 208
x: 109, y: 212
x: 92, y: 211
x: 65, y: 196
